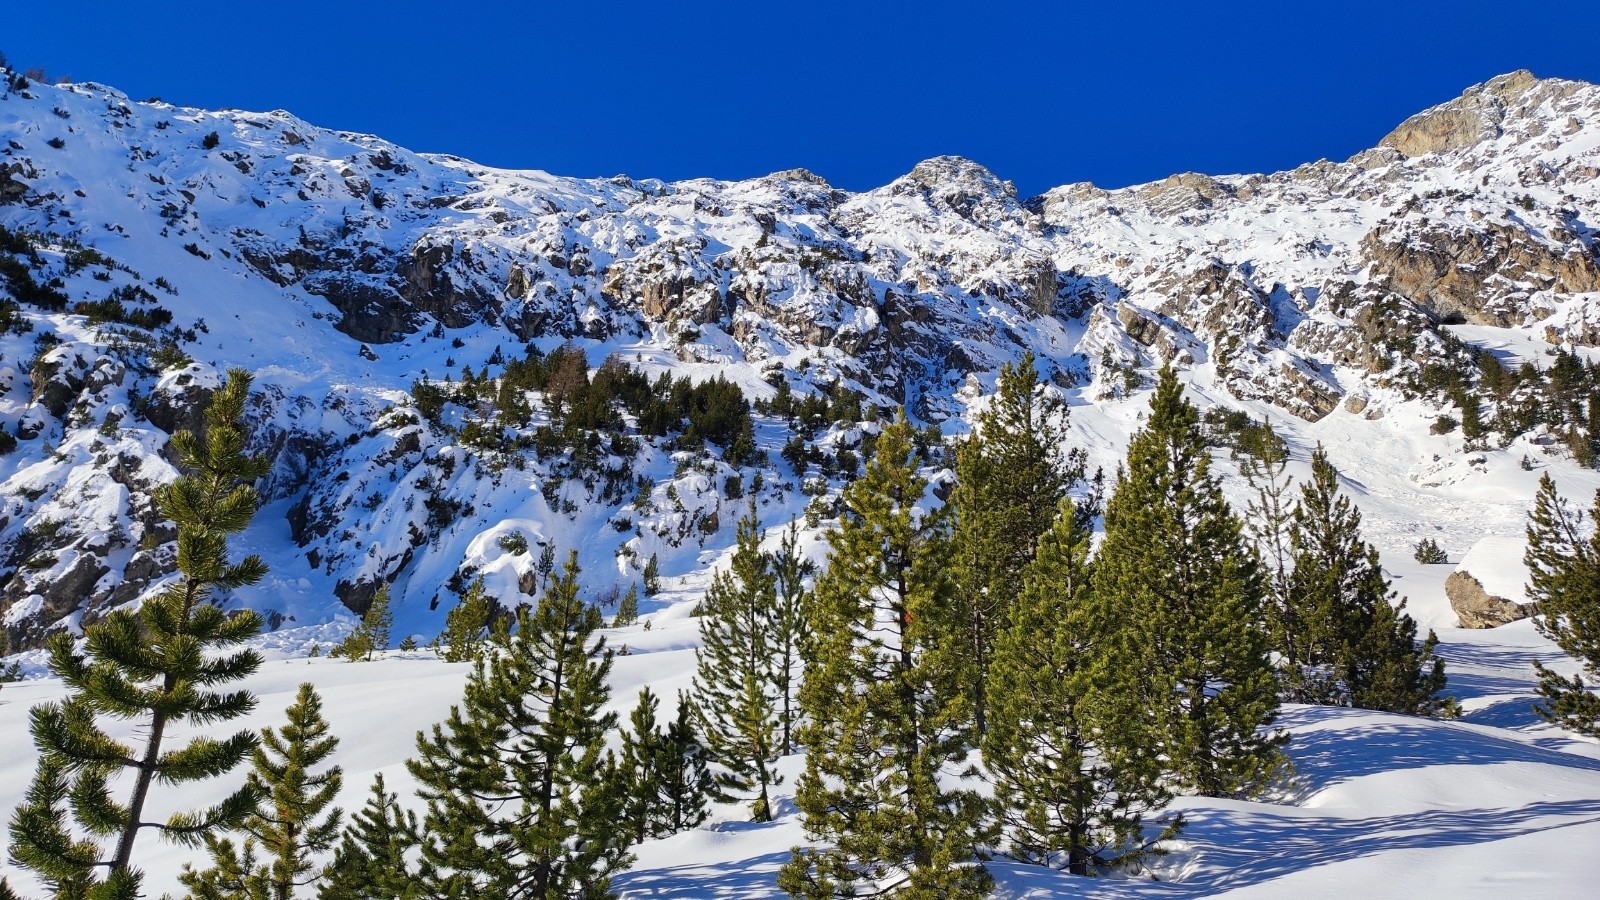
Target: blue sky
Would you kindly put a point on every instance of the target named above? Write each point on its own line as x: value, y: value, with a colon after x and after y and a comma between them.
x: 858, y: 92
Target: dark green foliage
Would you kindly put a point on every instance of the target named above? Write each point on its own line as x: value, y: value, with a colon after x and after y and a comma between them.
x: 370, y: 861
x: 665, y: 771
x: 119, y: 308
x: 652, y: 576
x: 1564, y: 580
x: 210, y: 141
x: 293, y: 823
x: 733, y: 676
x: 586, y: 414
x: 373, y: 633
x: 168, y: 355
x: 1269, y: 520
x: 790, y: 630
x: 1428, y: 552
x: 1192, y: 609
x: 1070, y: 759
x: 627, y: 608
x: 466, y: 624
x: 18, y: 259
x: 1354, y: 644
x: 523, y: 798
x: 1011, y: 475
x: 884, y: 719
x: 161, y: 666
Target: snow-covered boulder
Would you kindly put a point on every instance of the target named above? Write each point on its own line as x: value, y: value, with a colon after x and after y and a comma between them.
x: 1487, y: 588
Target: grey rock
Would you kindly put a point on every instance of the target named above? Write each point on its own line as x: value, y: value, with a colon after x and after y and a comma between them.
x: 1478, y: 608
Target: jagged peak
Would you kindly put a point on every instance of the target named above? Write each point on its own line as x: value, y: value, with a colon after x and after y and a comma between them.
x: 952, y: 171
x: 1479, y: 114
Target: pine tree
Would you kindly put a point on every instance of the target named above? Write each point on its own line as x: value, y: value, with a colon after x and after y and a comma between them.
x: 1357, y: 647
x: 652, y: 576
x: 160, y: 666
x: 733, y: 674
x: 1188, y: 590
x: 627, y: 608
x: 685, y: 785
x: 791, y: 628
x: 370, y: 861
x: 466, y: 624
x: 294, y: 823
x: 1564, y: 580
x: 1073, y: 781
x: 884, y: 718
x: 373, y: 632
x: 1010, y: 475
x: 1269, y: 521
x: 668, y: 781
x: 523, y: 799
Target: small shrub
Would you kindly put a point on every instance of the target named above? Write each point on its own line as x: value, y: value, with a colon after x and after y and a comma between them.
x: 1430, y: 553
x: 1444, y: 424
x: 210, y: 141
x: 514, y: 542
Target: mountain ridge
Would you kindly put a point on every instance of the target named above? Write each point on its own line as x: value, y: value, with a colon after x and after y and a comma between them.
x: 345, y: 269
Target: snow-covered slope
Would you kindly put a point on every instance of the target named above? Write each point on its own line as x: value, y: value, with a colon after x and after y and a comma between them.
x: 341, y: 269
x: 1347, y: 302
x: 1385, y: 806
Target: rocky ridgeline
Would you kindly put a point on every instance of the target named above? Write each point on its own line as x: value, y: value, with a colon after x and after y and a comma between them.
x: 1301, y: 288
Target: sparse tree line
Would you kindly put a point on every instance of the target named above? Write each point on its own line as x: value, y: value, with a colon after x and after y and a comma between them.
x: 945, y: 644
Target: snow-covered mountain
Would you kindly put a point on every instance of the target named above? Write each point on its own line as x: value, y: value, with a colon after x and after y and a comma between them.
x: 150, y: 247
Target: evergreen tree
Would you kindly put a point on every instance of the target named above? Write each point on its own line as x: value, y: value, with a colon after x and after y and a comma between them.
x: 790, y: 630
x: 652, y: 576
x: 1188, y: 589
x: 373, y: 632
x: 884, y: 717
x: 1011, y: 474
x: 522, y: 796
x: 685, y: 784
x: 1357, y: 647
x: 627, y: 608
x: 1073, y: 779
x: 370, y: 861
x: 294, y: 823
x: 668, y: 781
x: 1564, y: 580
x: 466, y: 624
x: 733, y: 674
x: 1269, y: 522
x: 157, y: 667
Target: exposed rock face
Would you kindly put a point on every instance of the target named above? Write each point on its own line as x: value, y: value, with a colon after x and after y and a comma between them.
x: 1479, y: 609
x: 1481, y: 275
x: 1476, y: 115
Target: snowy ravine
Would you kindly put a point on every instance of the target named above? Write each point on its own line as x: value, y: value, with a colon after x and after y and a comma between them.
x: 340, y: 269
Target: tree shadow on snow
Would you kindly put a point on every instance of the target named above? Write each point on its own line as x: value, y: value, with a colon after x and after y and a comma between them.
x: 1238, y: 847
x: 756, y: 876
x: 1343, y: 750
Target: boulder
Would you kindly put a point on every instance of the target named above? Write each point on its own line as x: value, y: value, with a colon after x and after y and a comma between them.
x: 1486, y: 589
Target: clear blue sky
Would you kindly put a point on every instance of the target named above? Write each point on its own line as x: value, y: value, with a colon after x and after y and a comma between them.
x: 1043, y: 93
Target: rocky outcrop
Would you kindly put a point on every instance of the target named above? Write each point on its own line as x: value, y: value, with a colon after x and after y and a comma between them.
x: 1477, y: 608
x: 1462, y: 122
x: 1481, y: 275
